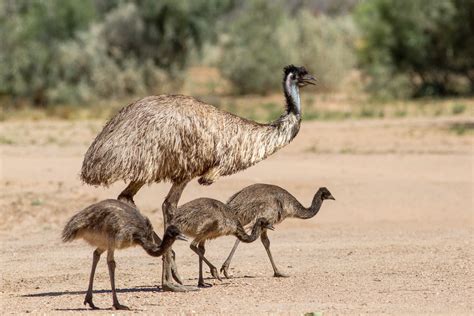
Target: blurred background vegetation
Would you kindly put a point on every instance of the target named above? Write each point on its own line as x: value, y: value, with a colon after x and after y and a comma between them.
x: 61, y: 54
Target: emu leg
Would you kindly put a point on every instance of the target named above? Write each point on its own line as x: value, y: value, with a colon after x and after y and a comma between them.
x: 200, y: 250
x: 129, y: 192
x: 111, y: 265
x: 201, y: 282
x: 174, y: 268
x: 226, y: 264
x: 95, y: 260
x: 266, y: 244
x: 169, y: 206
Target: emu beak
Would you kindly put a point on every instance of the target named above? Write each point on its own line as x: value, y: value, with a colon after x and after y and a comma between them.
x: 331, y: 197
x: 308, y: 79
x: 181, y: 237
x: 270, y: 226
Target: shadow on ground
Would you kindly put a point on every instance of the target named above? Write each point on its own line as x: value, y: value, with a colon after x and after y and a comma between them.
x: 127, y: 290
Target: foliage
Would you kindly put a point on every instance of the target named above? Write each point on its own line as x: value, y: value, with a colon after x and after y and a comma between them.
x: 414, y: 48
x: 265, y: 38
x: 90, y: 67
x: 322, y: 44
x: 57, y: 50
x: 30, y: 32
x: 252, y: 56
x: 164, y: 31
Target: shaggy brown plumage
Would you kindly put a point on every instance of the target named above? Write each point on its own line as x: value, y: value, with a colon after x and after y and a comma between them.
x: 178, y: 138
x: 110, y: 225
x: 205, y: 219
x: 273, y: 203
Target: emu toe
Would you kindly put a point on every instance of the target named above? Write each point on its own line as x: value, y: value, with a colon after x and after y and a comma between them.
x: 88, y: 301
x: 172, y: 287
x: 224, y: 270
x: 280, y: 275
x: 204, y: 284
x: 215, y: 274
x: 120, y: 307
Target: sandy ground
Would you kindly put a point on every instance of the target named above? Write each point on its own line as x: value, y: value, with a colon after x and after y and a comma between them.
x: 398, y: 239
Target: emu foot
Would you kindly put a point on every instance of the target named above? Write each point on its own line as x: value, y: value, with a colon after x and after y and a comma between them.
x: 215, y: 274
x: 204, y: 284
x: 224, y: 270
x: 118, y: 306
x: 172, y: 287
x: 278, y: 274
x: 88, y: 300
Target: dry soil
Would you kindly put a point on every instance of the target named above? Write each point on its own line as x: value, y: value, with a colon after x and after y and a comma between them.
x: 397, y: 240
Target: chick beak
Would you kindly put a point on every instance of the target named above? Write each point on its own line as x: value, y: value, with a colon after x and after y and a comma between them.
x: 331, y: 197
x: 181, y: 237
x: 270, y: 227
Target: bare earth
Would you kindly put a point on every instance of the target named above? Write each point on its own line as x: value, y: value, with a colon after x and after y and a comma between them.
x: 397, y: 240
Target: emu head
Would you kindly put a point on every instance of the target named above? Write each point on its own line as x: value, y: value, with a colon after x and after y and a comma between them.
x: 325, y: 194
x: 264, y: 223
x: 298, y: 75
x: 174, y: 233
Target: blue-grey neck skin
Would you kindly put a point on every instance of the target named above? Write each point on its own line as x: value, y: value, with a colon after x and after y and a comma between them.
x: 292, y: 94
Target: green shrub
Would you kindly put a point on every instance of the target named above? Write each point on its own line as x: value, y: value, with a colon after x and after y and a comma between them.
x: 417, y: 48
x: 58, y: 51
x: 252, y: 58
x: 30, y: 32
x: 325, y: 45
x: 89, y: 68
x: 458, y: 108
x: 264, y: 38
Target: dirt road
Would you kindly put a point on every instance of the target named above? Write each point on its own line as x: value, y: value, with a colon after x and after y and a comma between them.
x: 398, y: 238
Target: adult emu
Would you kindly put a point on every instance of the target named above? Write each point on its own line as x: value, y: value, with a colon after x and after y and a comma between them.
x: 177, y: 138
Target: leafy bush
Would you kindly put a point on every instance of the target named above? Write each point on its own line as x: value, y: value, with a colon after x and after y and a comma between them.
x: 414, y: 48
x: 55, y: 51
x: 89, y: 67
x: 30, y: 32
x: 164, y: 31
x: 252, y: 56
x: 324, y: 45
x: 264, y: 38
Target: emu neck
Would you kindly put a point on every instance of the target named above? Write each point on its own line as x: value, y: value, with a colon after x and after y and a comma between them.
x: 292, y: 96
x: 305, y: 213
x: 287, y: 126
x: 244, y: 237
x: 253, y: 142
x: 158, y: 250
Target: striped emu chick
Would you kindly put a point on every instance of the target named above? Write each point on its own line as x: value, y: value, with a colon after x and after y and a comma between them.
x: 110, y: 225
x: 205, y: 219
x: 273, y: 203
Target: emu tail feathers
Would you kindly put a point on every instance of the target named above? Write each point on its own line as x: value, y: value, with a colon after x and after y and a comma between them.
x: 70, y: 230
